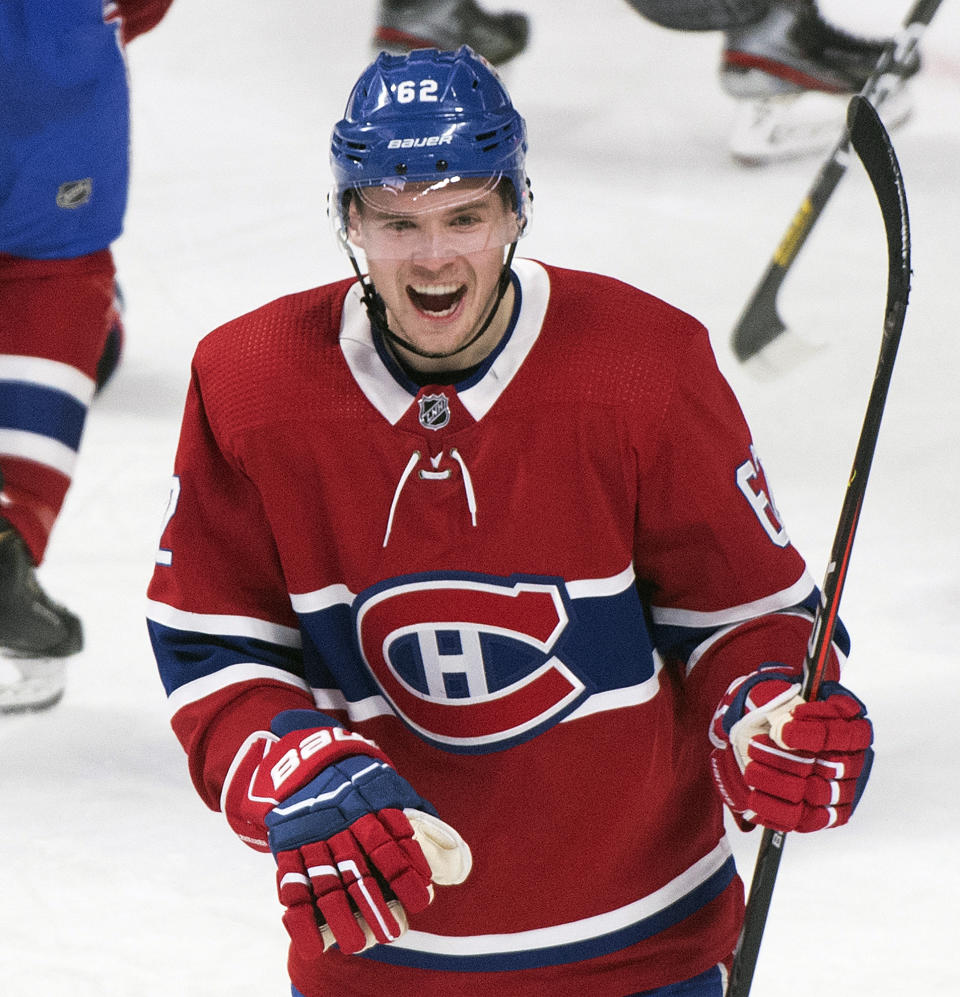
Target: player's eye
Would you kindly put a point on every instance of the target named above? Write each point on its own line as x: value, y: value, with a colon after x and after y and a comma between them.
x: 399, y: 225
x: 465, y: 220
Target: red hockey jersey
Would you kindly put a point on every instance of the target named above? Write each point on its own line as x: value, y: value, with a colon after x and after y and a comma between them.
x: 530, y: 589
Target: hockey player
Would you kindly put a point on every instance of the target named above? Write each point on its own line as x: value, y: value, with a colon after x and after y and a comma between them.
x: 472, y: 602
x: 63, y: 189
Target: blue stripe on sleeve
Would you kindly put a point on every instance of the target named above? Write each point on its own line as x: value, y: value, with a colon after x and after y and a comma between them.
x: 183, y: 656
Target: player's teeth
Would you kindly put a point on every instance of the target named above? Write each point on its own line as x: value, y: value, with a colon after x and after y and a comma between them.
x: 437, y: 300
x: 437, y: 289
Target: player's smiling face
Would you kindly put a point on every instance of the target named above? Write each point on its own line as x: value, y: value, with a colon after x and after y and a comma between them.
x: 435, y: 255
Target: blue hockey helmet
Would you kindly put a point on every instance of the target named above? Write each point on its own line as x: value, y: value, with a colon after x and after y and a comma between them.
x: 431, y: 118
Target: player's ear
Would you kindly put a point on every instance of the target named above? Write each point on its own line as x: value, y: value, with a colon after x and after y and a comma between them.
x: 354, y: 223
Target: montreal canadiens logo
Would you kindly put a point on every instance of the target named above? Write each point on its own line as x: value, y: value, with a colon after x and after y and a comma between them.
x: 470, y: 663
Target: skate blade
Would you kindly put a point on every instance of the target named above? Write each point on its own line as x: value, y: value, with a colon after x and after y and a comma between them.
x: 31, y: 684
x: 794, y: 126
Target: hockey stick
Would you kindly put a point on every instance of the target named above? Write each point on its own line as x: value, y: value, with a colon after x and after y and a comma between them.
x: 872, y: 144
x: 759, y: 323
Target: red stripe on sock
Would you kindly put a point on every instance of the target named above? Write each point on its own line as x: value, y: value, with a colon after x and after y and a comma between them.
x: 744, y: 60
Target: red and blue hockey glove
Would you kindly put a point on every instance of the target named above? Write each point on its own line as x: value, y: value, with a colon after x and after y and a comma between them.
x: 357, y: 849
x: 785, y: 763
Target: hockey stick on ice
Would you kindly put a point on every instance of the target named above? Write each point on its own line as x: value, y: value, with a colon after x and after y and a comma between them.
x: 759, y: 323
x: 872, y: 144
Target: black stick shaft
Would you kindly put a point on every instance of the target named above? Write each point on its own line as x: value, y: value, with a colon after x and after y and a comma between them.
x: 872, y: 145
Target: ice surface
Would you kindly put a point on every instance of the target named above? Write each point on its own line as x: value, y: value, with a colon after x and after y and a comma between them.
x: 115, y: 879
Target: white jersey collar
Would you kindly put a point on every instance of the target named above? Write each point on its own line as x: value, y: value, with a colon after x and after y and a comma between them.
x: 392, y: 399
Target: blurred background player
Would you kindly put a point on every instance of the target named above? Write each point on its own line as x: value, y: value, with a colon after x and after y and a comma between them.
x: 64, y: 136
x: 789, y: 69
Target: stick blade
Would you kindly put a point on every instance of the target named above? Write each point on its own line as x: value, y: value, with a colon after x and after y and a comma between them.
x: 872, y: 143
x: 759, y: 323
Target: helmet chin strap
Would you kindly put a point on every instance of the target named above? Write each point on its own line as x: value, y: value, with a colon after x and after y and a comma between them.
x: 377, y: 311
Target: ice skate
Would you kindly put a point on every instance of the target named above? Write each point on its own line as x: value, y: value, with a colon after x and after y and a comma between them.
x: 36, y: 633
x: 113, y: 347
x: 448, y: 24
x: 793, y: 74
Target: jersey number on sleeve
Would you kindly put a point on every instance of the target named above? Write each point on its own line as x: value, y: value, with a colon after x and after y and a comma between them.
x: 752, y: 482
x: 164, y: 555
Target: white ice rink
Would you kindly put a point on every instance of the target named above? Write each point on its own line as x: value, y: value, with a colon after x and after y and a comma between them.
x: 115, y: 881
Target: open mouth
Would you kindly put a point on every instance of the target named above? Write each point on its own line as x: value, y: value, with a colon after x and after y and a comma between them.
x: 437, y: 300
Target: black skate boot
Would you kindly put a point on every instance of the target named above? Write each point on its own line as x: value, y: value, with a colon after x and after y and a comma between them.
x: 36, y: 633
x: 447, y: 24
x: 113, y: 347
x: 793, y: 48
x: 794, y: 73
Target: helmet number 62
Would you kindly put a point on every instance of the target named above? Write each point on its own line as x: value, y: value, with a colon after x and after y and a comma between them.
x: 407, y: 91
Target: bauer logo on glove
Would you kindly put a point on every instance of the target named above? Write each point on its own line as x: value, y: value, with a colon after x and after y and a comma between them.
x: 785, y: 763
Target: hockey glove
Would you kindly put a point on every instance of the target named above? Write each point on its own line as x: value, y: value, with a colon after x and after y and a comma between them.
x: 356, y: 848
x: 785, y: 763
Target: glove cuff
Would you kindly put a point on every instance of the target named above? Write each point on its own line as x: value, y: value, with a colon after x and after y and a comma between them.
x: 244, y: 817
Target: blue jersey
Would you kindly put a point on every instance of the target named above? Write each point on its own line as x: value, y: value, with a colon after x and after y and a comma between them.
x: 64, y: 128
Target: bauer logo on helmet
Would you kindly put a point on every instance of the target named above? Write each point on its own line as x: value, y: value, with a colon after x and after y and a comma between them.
x: 419, y: 143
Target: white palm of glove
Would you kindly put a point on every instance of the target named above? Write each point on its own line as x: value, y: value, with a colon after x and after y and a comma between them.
x: 447, y: 854
x: 768, y: 719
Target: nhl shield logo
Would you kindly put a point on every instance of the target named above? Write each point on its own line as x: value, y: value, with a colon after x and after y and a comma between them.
x: 434, y: 411
x: 74, y: 193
